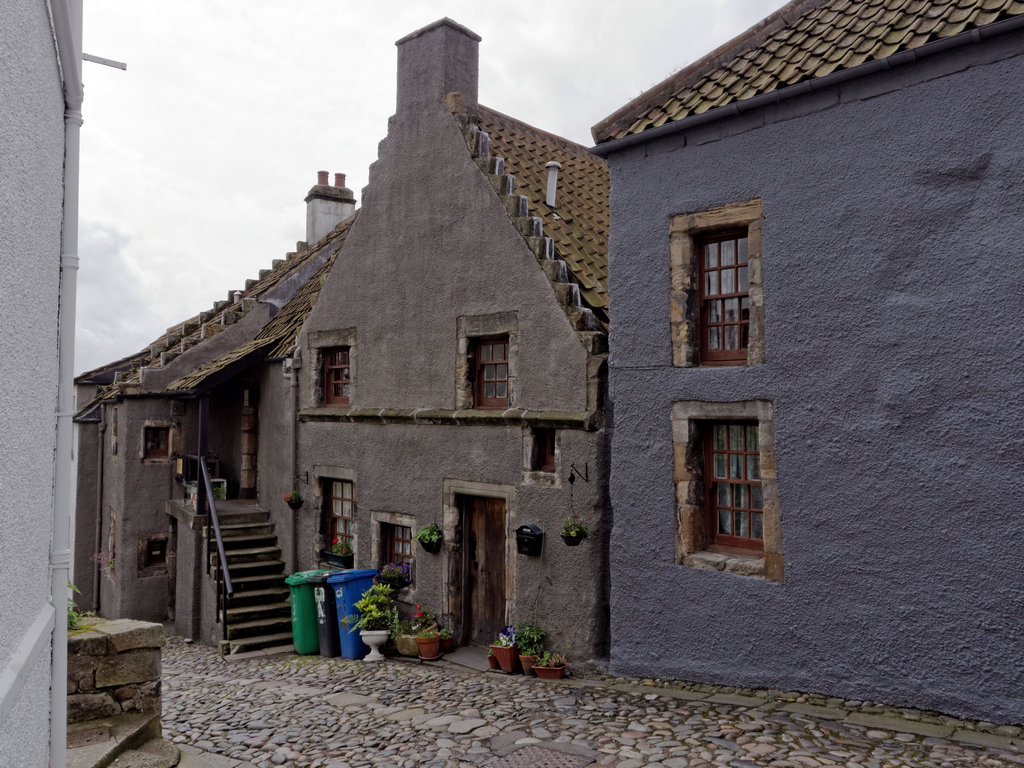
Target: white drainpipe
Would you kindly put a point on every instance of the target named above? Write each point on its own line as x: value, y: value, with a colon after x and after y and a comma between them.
x: 67, y: 23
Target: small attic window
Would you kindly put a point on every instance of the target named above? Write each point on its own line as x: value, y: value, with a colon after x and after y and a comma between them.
x: 157, y: 442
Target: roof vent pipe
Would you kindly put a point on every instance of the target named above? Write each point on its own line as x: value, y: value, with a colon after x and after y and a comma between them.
x: 553, y: 169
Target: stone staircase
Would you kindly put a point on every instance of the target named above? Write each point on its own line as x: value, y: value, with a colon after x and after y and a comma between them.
x: 259, y: 613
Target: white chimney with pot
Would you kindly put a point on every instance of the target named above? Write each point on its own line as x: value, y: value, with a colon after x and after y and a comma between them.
x: 327, y: 206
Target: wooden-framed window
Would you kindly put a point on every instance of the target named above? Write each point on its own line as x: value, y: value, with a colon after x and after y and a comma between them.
x: 543, y: 459
x: 491, y: 369
x: 735, y: 502
x: 341, y: 507
x: 397, y: 543
x: 156, y: 442
x: 724, y: 298
x: 337, y: 376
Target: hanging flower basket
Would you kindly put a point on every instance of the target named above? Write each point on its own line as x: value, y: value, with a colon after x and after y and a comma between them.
x: 572, y: 541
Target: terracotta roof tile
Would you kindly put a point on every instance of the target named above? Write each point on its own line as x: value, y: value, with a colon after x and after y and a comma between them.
x: 803, y: 40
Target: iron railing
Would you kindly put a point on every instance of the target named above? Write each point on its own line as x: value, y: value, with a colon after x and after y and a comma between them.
x: 224, y: 587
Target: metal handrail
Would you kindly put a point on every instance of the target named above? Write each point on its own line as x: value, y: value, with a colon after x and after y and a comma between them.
x: 222, y: 559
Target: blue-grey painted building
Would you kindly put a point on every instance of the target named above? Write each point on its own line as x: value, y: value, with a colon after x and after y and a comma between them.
x: 816, y: 371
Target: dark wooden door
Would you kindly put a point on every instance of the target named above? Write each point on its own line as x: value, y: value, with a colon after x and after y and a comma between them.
x: 484, y: 568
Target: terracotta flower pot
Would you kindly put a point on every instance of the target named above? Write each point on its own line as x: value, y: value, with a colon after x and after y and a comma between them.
x: 492, y: 661
x: 507, y: 656
x: 526, y: 661
x: 550, y: 673
x: 429, y: 647
x: 447, y: 644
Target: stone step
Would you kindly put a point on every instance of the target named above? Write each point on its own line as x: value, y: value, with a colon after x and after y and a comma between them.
x: 247, y: 556
x: 269, y: 626
x: 242, y: 614
x: 244, y: 529
x: 263, y: 574
x: 125, y: 732
x: 277, y: 642
x: 246, y: 594
x: 256, y: 540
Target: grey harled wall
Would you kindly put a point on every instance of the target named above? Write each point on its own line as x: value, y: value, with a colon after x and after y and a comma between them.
x: 892, y: 242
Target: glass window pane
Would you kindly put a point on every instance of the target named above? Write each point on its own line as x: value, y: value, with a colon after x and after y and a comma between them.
x: 346, y: 508
x: 739, y: 496
x: 728, y: 280
x: 711, y: 284
x: 503, y: 350
x: 711, y: 255
x: 756, y: 500
x: 752, y: 437
x: 753, y: 467
x: 744, y: 280
x: 720, y: 435
x: 732, y: 307
x: 723, y: 494
x: 336, y: 507
x: 489, y: 391
x: 728, y: 253
x: 501, y: 388
x: 723, y: 522
x: 732, y: 337
x: 720, y: 465
x: 736, y: 437
x: 349, y: 527
x: 714, y: 338
x: 485, y: 352
x: 735, y: 466
x: 739, y: 523
x: 346, y: 390
x: 756, y: 525
x: 502, y: 372
x: 741, y: 257
x: 715, y: 311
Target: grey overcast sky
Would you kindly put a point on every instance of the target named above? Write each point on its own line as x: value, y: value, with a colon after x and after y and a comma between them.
x: 196, y: 160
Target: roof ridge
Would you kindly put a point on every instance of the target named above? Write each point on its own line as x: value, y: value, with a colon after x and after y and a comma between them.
x: 501, y: 116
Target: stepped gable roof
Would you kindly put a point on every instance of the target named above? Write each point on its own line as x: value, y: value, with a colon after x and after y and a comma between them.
x: 275, y: 338
x: 578, y: 224
x: 803, y: 40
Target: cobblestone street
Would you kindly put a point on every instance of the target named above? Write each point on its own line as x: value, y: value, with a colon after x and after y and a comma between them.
x: 334, y: 713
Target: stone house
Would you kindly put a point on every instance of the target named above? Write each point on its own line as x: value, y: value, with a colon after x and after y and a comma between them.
x: 41, y: 94
x: 440, y: 356
x: 810, y: 439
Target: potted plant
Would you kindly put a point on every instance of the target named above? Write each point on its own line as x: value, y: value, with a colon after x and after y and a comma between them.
x: 340, y: 555
x: 429, y: 642
x: 550, y: 666
x: 447, y: 641
x: 293, y: 499
x: 573, y: 530
x: 492, y: 660
x: 376, y: 610
x: 429, y: 538
x: 403, y: 635
x: 530, y: 640
x: 397, y: 576
x: 505, y: 650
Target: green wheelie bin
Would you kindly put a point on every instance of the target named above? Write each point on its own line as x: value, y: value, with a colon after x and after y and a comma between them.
x: 305, y: 633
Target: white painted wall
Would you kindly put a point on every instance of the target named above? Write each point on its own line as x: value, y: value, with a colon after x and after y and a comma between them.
x: 31, y: 169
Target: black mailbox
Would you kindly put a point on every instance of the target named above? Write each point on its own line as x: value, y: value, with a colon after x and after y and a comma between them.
x: 529, y: 539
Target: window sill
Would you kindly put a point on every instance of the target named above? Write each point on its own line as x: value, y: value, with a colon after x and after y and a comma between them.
x: 588, y: 420
x: 729, y: 562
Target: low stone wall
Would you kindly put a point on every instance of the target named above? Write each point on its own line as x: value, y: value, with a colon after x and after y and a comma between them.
x: 114, y: 667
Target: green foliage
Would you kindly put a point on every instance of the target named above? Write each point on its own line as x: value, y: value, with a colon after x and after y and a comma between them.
x: 550, y: 659
x: 574, y: 526
x: 75, y: 616
x: 447, y: 634
x: 376, y: 609
x: 529, y: 638
x: 429, y: 534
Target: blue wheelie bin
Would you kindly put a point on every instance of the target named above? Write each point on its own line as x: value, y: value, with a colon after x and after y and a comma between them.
x: 349, y: 587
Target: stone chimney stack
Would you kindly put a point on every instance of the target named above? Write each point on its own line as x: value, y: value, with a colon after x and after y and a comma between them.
x: 441, y: 58
x: 327, y: 206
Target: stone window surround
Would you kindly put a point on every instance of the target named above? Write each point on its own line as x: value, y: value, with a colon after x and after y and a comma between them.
x: 451, y: 522
x: 688, y: 435
x: 547, y: 477
x: 469, y: 327
x: 319, y: 342
x: 173, y: 440
x: 157, y: 569
x: 377, y: 545
x: 327, y: 472
x: 684, y: 270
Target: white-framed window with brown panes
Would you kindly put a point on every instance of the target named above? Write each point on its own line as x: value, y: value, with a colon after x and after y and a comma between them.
x: 726, y: 491
x: 716, y: 309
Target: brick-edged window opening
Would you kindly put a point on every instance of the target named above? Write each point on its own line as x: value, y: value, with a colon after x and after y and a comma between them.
x: 337, y: 376
x: 155, y: 553
x: 724, y: 299
x: 543, y: 459
x: 341, y: 507
x: 716, y: 296
x: 397, y: 543
x: 490, y: 365
x: 157, y: 442
x: 732, y: 470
